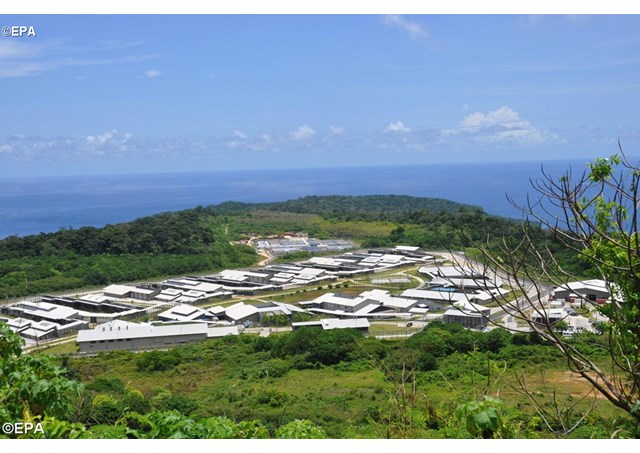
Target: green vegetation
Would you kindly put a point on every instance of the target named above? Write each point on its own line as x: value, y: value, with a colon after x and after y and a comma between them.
x: 164, y: 244
x: 443, y: 382
x: 36, y: 390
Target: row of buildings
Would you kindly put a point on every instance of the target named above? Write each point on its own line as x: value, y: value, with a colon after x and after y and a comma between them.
x: 55, y: 316
x: 186, y: 323
x: 122, y: 335
x: 289, y: 244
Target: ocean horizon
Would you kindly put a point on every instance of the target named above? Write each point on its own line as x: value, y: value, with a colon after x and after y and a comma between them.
x: 31, y: 205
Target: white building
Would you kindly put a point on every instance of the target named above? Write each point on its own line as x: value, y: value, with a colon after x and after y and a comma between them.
x: 548, y: 316
x: 118, y: 334
x: 130, y: 292
x: 186, y: 313
x: 42, y: 311
x: 240, y: 313
x: 435, y: 300
x: 591, y: 290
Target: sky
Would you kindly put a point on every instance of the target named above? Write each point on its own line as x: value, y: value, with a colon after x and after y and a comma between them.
x: 110, y: 94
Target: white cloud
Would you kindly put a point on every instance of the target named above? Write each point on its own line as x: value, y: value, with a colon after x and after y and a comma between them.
x: 101, y: 139
x: 415, y: 30
x: 336, y: 130
x: 151, y: 73
x: 499, y: 126
x: 304, y: 132
x: 109, y: 142
x: 504, y: 116
x: 20, y: 59
x: 238, y: 139
x: 17, y: 49
x: 398, y: 126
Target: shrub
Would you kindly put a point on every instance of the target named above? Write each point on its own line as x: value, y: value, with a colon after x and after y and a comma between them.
x: 134, y: 401
x: 159, y: 360
x: 107, y: 384
x: 166, y: 401
x: 300, y: 429
x: 106, y: 409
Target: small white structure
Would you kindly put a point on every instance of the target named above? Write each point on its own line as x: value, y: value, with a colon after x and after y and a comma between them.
x: 244, y: 276
x: 548, y: 316
x: 33, y: 330
x: 185, y: 313
x: 242, y: 312
x: 130, y: 292
x: 471, y: 316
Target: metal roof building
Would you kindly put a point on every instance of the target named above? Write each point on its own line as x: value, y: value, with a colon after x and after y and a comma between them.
x: 118, y: 334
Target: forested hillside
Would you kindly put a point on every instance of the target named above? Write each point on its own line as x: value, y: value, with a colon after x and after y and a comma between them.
x: 383, y: 207
x: 164, y: 244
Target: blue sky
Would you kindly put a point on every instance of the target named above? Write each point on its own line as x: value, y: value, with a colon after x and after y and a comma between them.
x: 133, y: 94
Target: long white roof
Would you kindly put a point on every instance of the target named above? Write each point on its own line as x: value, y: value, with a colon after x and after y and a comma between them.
x: 407, y: 248
x: 122, y: 330
x: 214, y: 332
x: 335, y: 323
x: 444, y: 296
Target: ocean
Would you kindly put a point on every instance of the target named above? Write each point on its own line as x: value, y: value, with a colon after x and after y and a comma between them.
x: 46, y: 204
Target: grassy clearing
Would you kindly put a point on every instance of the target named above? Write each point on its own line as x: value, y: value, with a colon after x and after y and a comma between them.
x: 69, y: 347
x: 396, y: 328
x: 355, y: 228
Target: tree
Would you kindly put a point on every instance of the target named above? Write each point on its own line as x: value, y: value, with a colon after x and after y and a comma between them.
x: 31, y: 386
x: 592, y: 215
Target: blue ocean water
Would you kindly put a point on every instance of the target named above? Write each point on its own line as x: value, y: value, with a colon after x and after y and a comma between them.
x: 33, y: 205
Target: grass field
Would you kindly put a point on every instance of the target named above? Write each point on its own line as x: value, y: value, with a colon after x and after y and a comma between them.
x: 69, y: 347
